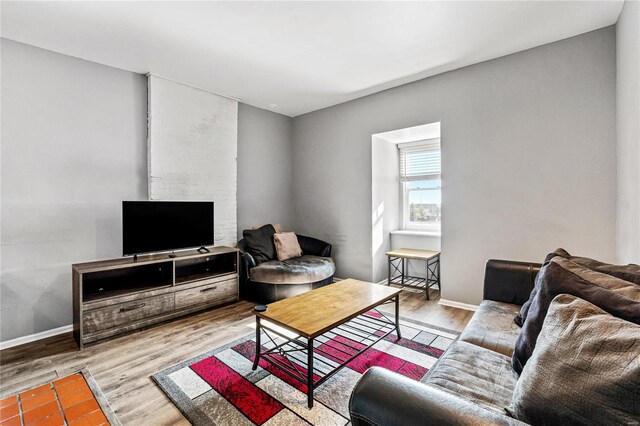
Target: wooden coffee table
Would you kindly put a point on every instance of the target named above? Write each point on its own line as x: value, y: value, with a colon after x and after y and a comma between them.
x: 317, y: 320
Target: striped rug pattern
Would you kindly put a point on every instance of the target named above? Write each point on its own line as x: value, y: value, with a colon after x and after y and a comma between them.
x: 220, y: 388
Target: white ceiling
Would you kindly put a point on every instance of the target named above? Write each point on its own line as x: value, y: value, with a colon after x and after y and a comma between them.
x: 296, y: 57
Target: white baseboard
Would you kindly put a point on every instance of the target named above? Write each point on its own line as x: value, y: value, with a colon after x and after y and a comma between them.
x: 459, y: 305
x: 36, y: 336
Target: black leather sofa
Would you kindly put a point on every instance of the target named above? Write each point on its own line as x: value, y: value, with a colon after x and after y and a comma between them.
x: 275, y: 280
x: 473, y: 381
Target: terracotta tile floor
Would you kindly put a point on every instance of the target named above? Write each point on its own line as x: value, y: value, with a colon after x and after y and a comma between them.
x: 67, y: 401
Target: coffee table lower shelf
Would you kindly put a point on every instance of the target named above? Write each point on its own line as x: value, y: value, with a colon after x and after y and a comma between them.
x: 313, y: 361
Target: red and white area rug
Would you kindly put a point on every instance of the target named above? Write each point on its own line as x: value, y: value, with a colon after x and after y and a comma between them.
x: 220, y: 388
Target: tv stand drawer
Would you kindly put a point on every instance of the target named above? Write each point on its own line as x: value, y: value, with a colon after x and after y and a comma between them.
x: 125, y: 313
x: 208, y: 294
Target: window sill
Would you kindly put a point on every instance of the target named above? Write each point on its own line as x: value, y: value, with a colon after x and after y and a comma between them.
x: 417, y: 233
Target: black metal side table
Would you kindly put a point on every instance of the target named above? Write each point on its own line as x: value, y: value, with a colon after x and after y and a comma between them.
x: 398, y: 273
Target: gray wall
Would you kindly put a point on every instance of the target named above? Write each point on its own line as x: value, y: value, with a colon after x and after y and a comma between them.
x: 528, y: 160
x: 265, y: 171
x: 73, y: 147
x: 628, y: 133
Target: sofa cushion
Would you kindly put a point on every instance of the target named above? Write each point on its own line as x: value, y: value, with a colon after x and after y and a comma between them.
x: 259, y: 243
x: 492, y: 327
x: 299, y: 270
x: 476, y: 374
x: 617, y: 297
x: 287, y: 246
x: 590, y: 270
x: 276, y: 226
x: 584, y: 370
x: 629, y: 273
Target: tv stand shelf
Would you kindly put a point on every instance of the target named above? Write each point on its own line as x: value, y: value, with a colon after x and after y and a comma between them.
x: 112, y: 297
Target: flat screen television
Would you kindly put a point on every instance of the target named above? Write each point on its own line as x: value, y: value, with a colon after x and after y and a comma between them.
x: 155, y: 226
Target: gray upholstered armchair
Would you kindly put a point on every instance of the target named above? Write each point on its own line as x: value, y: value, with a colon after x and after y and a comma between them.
x: 275, y: 280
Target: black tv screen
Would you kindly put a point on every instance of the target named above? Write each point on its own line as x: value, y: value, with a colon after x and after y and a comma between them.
x: 153, y: 226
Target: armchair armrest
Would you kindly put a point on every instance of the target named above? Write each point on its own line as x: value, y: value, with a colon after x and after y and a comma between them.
x: 508, y: 281
x: 314, y: 246
x: 382, y: 397
x: 247, y: 261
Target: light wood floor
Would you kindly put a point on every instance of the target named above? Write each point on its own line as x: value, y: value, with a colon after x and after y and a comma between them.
x: 123, y: 366
x: 414, y: 305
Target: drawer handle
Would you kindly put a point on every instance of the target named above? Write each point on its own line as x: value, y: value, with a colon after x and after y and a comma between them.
x: 208, y: 289
x: 131, y: 308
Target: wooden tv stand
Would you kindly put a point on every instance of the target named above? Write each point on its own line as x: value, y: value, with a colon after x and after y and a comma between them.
x: 111, y: 297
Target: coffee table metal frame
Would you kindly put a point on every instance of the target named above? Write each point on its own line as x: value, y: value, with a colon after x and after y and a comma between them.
x: 290, y: 354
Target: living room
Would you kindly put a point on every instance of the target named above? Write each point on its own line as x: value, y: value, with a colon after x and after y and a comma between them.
x: 282, y: 136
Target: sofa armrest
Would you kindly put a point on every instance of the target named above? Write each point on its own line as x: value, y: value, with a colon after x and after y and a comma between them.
x: 382, y: 397
x: 509, y: 281
x: 314, y: 246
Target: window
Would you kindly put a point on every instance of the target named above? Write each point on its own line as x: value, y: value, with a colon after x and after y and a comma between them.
x: 421, y: 185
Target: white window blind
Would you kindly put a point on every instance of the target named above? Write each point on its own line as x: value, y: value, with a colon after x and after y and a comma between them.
x: 420, y: 160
